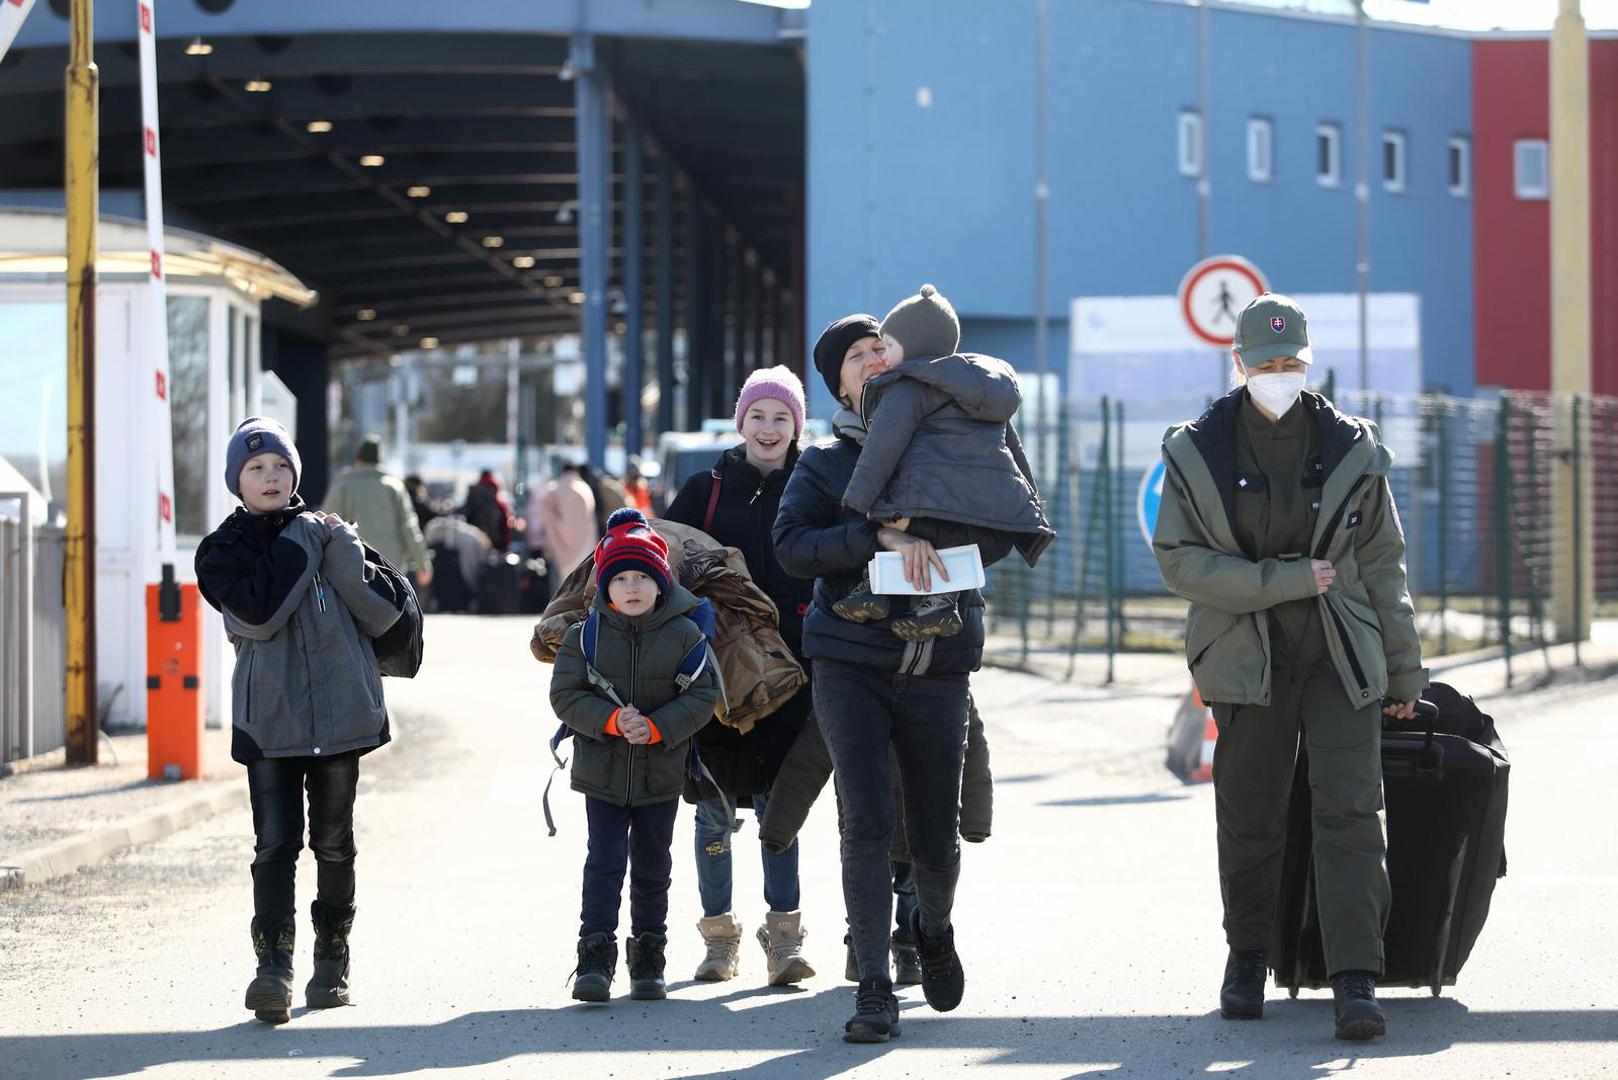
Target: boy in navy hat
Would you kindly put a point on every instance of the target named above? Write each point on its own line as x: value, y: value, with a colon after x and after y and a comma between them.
x: 631, y: 725
x: 294, y: 585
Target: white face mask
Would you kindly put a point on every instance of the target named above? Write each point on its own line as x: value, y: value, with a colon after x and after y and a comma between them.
x: 1277, y: 391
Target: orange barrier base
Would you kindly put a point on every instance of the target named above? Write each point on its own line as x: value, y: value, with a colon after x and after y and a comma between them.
x: 174, y: 713
x: 1210, y: 734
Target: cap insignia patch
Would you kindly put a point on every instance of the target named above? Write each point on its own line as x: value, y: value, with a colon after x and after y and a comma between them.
x: 1278, y: 324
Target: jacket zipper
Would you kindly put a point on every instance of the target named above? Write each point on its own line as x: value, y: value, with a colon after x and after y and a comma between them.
x: 1331, y: 609
x: 634, y: 671
x: 320, y: 593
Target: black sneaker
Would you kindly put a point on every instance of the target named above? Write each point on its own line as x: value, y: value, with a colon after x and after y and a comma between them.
x: 1242, y: 996
x: 861, y: 605
x: 933, y: 617
x: 876, y: 1013
x: 942, y: 980
x: 906, y: 962
x: 1358, y: 1014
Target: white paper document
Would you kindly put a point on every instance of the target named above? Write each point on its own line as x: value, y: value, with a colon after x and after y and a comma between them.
x: 965, y: 566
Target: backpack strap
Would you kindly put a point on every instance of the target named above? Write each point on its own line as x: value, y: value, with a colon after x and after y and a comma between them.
x: 562, y: 732
x: 713, y: 500
x: 587, y: 645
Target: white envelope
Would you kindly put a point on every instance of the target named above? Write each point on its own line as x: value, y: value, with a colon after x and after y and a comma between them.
x: 965, y: 566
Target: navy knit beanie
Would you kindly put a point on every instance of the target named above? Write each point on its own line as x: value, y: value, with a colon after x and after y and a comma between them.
x: 254, y: 436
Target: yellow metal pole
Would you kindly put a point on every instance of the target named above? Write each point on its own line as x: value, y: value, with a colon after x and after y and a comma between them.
x: 81, y: 183
x: 1571, y: 593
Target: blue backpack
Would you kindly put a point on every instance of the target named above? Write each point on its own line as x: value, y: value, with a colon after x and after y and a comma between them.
x: 696, y: 660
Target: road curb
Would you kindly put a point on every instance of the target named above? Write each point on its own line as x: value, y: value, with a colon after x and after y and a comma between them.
x: 70, y: 854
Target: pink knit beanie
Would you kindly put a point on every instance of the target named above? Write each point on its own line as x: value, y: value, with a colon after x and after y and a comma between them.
x: 773, y: 382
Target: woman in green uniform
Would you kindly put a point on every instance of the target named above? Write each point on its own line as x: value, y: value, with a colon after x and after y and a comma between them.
x: 1278, y: 524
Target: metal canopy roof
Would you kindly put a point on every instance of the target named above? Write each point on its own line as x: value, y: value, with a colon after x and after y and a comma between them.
x: 483, y: 120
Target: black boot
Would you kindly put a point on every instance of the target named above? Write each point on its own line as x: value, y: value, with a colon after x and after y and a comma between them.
x: 876, y: 1013
x: 328, y: 986
x: 851, y: 964
x: 861, y: 605
x: 598, y: 959
x: 906, y: 962
x: 942, y: 980
x: 1242, y: 995
x: 645, y: 956
x: 933, y: 617
x: 1358, y: 1014
x: 269, y: 995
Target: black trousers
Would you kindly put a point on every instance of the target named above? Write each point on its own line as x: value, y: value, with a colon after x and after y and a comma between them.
x: 278, y: 787
x: 634, y: 838
x: 862, y: 712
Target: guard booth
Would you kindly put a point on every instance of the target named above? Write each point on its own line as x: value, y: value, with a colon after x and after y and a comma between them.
x: 215, y: 291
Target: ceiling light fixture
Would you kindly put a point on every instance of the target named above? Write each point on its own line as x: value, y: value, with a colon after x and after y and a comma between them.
x: 318, y: 127
x: 372, y: 161
x: 575, y: 298
x: 365, y: 314
x: 456, y: 217
x: 402, y: 330
x: 494, y: 241
x: 554, y: 281
x: 198, y: 47
x: 523, y: 262
x: 257, y: 86
x: 420, y: 191
x: 429, y: 343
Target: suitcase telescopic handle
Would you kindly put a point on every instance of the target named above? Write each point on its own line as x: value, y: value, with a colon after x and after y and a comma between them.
x: 1426, y: 715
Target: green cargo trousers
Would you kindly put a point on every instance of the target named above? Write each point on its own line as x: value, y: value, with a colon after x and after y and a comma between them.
x: 1254, y: 759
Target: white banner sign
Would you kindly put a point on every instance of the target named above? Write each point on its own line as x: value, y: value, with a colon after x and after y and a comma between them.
x: 12, y: 13
x: 156, y: 345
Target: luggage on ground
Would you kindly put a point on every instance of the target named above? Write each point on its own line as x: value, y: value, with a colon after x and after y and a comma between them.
x: 1445, y: 782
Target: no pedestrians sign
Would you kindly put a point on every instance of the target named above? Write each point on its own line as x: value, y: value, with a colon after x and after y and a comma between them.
x: 1214, y: 292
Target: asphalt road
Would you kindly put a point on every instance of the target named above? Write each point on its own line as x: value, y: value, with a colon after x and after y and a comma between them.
x: 1088, y: 924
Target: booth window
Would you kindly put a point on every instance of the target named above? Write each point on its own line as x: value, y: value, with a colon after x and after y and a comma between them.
x: 188, y: 412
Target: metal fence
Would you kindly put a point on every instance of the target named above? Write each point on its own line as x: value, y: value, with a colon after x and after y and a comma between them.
x: 1473, y: 479
x: 33, y: 705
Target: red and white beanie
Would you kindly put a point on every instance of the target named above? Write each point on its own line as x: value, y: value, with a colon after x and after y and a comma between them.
x: 630, y: 544
x: 773, y: 382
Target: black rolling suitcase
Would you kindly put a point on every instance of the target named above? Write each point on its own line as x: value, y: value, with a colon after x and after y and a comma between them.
x: 499, y: 584
x: 1444, y: 779
x: 450, y: 591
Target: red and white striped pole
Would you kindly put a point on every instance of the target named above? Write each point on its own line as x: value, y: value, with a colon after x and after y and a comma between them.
x: 156, y: 345
x: 12, y: 14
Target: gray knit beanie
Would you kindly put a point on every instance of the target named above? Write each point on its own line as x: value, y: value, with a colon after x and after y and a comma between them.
x: 924, y: 325
x: 254, y: 436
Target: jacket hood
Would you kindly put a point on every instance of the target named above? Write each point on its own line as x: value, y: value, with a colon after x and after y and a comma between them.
x: 983, y: 387
x: 677, y: 601
x: 850, y: 425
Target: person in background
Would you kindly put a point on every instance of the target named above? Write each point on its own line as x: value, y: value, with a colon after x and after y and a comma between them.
x: 420, y: 501
x: 379, y: 507
x: 488, y: 508
x: 562, y: 520
x: 636, y: 487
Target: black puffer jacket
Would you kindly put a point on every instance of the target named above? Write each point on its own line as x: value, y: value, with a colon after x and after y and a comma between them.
x: 816, y: 536
x: 746, y: 765
x: 939, y: 448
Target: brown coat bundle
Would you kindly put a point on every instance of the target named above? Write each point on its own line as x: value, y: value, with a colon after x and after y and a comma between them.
x: 760, y: 673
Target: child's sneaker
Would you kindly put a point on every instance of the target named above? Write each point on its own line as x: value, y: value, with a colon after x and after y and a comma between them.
x: 933, y: 616
x: 861, y: 605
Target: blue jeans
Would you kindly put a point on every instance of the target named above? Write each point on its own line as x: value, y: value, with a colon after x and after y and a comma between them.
x: 640, y: 840
x: 904, y: 896
x: 713, y: 862
x: 862, y: 712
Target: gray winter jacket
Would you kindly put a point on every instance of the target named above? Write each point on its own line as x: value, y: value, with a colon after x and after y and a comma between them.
x: 306, y: 680
x: 941, y: 446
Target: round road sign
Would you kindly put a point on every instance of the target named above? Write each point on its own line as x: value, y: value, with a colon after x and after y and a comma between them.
x: 1149, y: 498
x: 1214, y: 292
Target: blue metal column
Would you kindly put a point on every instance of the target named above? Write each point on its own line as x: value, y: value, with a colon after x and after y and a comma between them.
x: 665, y: 294
x: 634, y: 278
x: 594, y: 136
x: 696, y: 327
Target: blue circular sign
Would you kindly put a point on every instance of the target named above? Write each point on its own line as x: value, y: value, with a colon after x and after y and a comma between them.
x: 1150, y: 498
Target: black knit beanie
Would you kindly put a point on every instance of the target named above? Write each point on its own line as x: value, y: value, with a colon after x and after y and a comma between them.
x: 834, y: 342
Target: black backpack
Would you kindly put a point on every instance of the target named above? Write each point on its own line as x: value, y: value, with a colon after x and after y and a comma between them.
x: 398, y: 648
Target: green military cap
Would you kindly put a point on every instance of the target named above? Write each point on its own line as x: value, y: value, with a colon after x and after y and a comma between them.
x: 1272, y: 325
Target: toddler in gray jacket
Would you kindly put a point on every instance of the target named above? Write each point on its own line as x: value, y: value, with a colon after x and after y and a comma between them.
x: 941, y: 458
x: 301, y: 605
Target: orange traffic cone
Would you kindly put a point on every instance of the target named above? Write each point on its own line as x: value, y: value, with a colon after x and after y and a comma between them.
x: 1210, y: 734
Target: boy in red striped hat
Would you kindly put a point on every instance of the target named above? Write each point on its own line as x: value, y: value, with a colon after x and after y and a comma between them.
x: 631, y: 725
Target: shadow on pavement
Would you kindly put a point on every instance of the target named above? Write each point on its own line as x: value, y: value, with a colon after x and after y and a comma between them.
x: 1118, y: 800
x: 802, y: 1034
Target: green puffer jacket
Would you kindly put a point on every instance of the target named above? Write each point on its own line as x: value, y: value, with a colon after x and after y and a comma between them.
x: 1367, y: 615
x: 640, y: 657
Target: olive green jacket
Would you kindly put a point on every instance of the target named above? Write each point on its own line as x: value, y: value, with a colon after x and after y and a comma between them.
x: 1367, y: 614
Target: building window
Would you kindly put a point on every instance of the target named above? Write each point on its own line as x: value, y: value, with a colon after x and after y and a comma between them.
x: 1189, y: 141
x: 1260, y: 149
x: 1533, y: 168
x: 1393, y: 161
x: 1460, y: 166
x: 1329, y: 155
